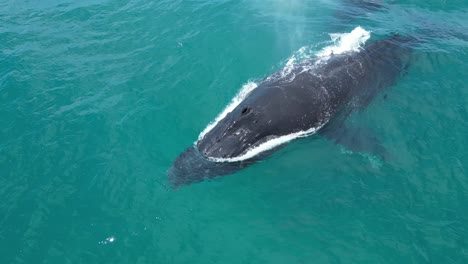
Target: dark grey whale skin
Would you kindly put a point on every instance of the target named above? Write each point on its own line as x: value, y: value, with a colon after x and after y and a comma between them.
x: 281, y: 105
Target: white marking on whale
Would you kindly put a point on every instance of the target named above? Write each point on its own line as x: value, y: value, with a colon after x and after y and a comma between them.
x: 270, y: 144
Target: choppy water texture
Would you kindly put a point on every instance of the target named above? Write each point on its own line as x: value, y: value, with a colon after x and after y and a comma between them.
x: 97, y: 98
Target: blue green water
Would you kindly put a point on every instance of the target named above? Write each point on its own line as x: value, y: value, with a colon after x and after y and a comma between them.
x: 97, y: 98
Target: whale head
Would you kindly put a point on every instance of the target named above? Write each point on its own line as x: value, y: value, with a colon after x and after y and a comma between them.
x: 237, y: 139
x: 229, y: 138
x: 241, y: 130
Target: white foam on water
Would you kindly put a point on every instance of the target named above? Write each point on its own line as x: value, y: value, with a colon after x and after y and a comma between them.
x: 107, y: 240
x: 346, y: 42
x: 342, y: 42
x: 245, y: 90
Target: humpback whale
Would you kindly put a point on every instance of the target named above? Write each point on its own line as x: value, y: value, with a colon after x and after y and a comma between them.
x: 304, y: 98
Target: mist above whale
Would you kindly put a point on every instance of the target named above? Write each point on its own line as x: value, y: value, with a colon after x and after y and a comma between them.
x: 305, y: 97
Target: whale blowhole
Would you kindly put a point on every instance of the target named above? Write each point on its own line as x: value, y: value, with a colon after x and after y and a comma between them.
x: 246, y: 110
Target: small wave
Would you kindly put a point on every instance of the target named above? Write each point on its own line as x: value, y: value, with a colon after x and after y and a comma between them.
x: 342, y: 42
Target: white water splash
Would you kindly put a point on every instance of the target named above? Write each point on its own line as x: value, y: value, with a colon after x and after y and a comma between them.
x: 345, y: 42
x: 107, y: 240
x: 341, y: 43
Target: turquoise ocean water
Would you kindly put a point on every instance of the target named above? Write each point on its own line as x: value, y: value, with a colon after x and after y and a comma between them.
x: 97, y: 98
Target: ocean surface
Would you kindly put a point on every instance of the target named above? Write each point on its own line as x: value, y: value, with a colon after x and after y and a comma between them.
x: 97, y: 99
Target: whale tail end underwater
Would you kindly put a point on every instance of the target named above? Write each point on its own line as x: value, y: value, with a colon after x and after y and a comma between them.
x: 304, y: 98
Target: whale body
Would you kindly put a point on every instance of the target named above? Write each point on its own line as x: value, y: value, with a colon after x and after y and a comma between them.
x: 308, y: 97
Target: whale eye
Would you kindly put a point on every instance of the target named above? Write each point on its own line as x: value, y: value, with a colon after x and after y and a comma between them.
x: 246, y: 110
